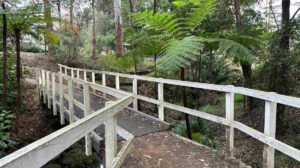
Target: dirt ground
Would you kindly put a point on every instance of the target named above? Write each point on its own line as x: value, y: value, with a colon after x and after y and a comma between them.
x: 164, y: 149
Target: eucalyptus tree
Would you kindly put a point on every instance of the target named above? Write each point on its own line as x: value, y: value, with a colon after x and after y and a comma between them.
x: 93, y: 31
x: 118, y: 27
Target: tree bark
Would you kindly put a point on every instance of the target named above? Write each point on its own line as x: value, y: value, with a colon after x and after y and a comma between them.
x: 184, y: 102
x: 49, y: 25
x: 18, y: 73
x: 118, y: 27
x: 4, y: 73
x: 94, y: 30
x: 284, y: 44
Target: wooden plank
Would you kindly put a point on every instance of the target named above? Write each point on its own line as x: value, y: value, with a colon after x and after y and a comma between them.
x: 42, y: 151
x: 121, y: 156
x: 108, y: 90
x: 280, y: 146
x: 118, y: 82
x: 230, y: 117
x: 44, y: 86
x: 270, y: 129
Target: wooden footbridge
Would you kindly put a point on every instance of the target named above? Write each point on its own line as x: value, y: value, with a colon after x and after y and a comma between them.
x: 101, y: 113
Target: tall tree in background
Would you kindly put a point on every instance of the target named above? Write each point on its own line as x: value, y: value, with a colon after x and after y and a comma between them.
x: 155, y: 54
x: 71, y: 15
x: 59, y: 22
x: 246, y: 66
x: 49, y: 24
x: 4, y: 73
x: 118, y: 27
x: 93, y: 31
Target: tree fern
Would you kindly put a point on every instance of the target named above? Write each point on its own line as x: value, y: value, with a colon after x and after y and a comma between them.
x: 180, y: 53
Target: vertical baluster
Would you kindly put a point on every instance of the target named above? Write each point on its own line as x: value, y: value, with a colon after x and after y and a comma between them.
x: 71, y: 105
x: 135, y: 92
x: 48, y: 89
x: 103, y: 83
x: 118, y: 82
x: 66, y: 71
x: 110, y: 139
x: 44, y: 86
x: 72, y: 72
x: 78, y: 75
x: 37, y: 79
x: 230, y: 117
x: 60, y: 68
x: 88, y: 140
x: 269, y: 130
x: 84, y: 75
x: 54, y: 95
x: 61, y: 100
x: 161, y: 100
x: 93, y: 81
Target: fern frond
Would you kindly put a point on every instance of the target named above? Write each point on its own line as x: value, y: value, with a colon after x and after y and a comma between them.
x: 180, y: 53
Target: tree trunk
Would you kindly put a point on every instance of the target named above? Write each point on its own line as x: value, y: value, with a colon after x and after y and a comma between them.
x: 283, y: 83
x: 18, y: 72
x: 131, y: 6
x: 49, y: 24
x: 94, y: 30
x: 246, y: 68
x: 155, y: 54
x: 71, y: 16
x: 118, y: 27
x: 59, y: 17
x: 184, y: 102
x: 4, y: 74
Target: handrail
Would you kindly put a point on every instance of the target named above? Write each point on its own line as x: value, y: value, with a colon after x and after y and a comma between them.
x: 271, y: 99
x: 40, y: 152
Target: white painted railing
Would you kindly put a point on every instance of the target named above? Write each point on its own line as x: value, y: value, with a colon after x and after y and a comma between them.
x: 42, y: 151
x: 271, y: 100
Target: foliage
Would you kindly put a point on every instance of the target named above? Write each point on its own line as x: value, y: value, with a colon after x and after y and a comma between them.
x: 7, y: 143
x: 11, y: 83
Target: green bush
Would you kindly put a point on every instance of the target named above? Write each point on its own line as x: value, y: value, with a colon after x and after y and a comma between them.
x: 33, y: 50
x: 238, y: 98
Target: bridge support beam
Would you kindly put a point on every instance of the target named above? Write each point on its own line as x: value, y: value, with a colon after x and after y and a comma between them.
x: 269, y: 130
x: 230, y: 116
x: 87, y: 111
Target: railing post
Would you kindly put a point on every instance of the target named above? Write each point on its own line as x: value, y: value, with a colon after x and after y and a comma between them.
x: 78, y: 75
x: 43, y: 86
x: 40, y: 83
x: 269, y: 130
x: 230, y: 117
x: 54, y: 95
x: 135, y: 91
x: 37, y: 79
x: 72, y: 72
x: 61, y: 99
x: 103, y: 83
x: 110, y: 139
x: 88, y: 137
x: 161, y: 100
x: 93, y: 81
x: 48, y: 89
x: 118, y: 82
x: 84, y: 75
x: 66, y: 71
x: 60, y: 68
x: 71, y: 103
